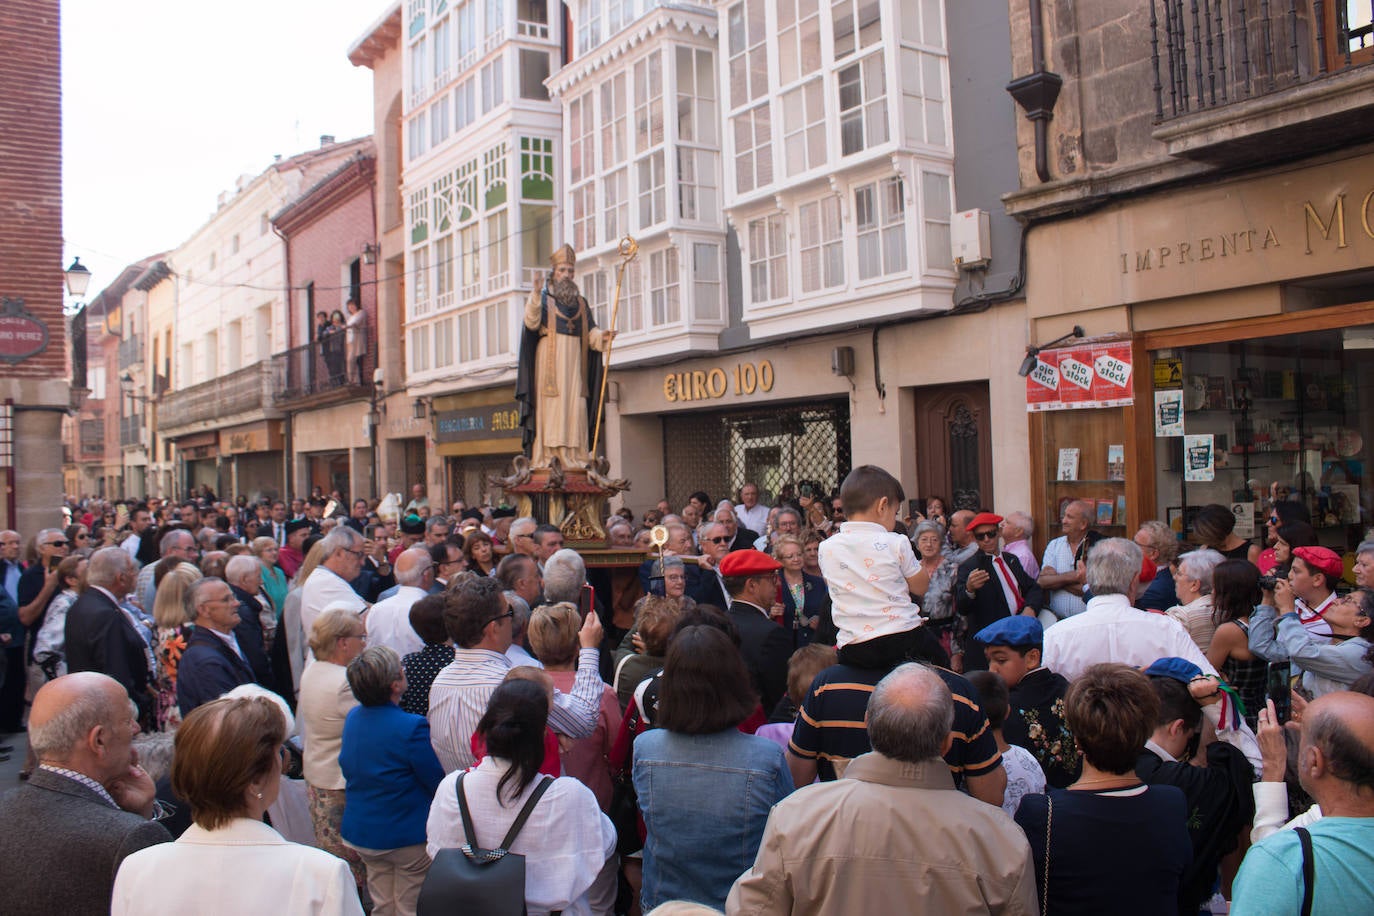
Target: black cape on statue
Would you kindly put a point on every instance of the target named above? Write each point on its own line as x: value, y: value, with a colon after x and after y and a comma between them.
x: 525, y: 394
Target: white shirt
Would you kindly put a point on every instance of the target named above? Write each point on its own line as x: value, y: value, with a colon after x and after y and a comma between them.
x: 1110, y: 630
x: 519, y: 657
x: 388, y: 623
x: 866, y: 568
x: 565, y: 842
x: 323, y: 588
x: 243, y: 867
x: 755, y: 519
x: 459, y: 695
x: 1024, y: 777
x: 1062, y: 602
x: 130, y: 545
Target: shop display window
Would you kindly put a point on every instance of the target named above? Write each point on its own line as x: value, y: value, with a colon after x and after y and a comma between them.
x: 1086, y: 458
x: 1263, y: 417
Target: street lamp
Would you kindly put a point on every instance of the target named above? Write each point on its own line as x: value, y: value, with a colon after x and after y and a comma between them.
x: 78, y: 278
x: 126, y: 385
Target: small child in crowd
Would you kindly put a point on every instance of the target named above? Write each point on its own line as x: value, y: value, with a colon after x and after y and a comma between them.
x: 1035, y: 714
x: 1024, y: 776
x: 871, y: 571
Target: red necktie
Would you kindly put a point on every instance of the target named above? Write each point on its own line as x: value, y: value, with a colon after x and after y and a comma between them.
x: 1011, y: 583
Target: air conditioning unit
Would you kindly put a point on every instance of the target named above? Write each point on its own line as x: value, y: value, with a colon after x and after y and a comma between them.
x: 969, y: 237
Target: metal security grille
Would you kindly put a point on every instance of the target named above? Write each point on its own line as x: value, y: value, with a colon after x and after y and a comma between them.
x: 775, y: 447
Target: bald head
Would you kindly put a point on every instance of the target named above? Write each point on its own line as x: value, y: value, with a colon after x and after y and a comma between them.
x: 411, y: 566
x: 910, y: 714
x: 81, y: 721
x: 1336, y: 759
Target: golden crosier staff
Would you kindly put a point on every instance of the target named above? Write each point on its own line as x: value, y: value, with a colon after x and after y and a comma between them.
x: 629, y: 248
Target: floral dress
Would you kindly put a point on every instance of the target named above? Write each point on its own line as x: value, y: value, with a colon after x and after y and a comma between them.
x: 937, y: 607
x: 171, y: 643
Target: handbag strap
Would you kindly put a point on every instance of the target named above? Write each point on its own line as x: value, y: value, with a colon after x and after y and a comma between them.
x: 470, y: 834
x: 1309, y: 869
x: 1045, y: 886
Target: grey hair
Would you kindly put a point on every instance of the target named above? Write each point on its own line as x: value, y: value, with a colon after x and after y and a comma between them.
x: 523, y: 522
x: 193, y: 591
x: 434, y: 521
x: 169, y: 540
x: 1022, y: 520
x: 58, y: 737
x: 724, y: 508
x: 1199, y: 565
x: 341, y: 538
x: 520, y: 613
x: 564, y: 576
x: 928, y: 526
x: 1365, y: 547
x: 106, y: 566
x: 1161, y: 538
x: 910, y: 714
x: 1113, y: 564
x: 788, y: 510
x: 414, y: 574
x: 372, y: 673
x: 238, y: 567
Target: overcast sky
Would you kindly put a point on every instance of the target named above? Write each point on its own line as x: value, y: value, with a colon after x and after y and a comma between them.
x: 166, y: 102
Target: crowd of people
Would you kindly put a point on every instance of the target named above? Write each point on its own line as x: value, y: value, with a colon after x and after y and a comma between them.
x: 827, y: 705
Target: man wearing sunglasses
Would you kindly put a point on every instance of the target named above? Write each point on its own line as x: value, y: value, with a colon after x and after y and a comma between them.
x: 991, y: 585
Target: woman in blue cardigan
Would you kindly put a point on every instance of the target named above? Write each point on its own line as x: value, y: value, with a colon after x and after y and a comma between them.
x: 391, y: 774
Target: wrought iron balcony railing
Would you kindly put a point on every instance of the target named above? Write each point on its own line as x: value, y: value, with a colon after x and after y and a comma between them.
x: 320, y: 367
x: 1210, y: 53
x: 238, y: 392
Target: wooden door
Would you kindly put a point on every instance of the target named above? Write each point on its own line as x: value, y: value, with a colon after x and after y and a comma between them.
x: 954, y: 445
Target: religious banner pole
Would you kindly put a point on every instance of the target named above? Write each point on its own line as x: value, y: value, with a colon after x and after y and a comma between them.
x: 629, y: 248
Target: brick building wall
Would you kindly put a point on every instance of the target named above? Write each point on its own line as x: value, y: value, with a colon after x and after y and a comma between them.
x: 31, y: 254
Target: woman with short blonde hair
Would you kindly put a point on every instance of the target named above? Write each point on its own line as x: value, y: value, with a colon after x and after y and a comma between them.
x: 273, y: 577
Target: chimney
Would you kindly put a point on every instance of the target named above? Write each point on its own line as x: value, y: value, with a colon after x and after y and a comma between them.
x: 326, y: 140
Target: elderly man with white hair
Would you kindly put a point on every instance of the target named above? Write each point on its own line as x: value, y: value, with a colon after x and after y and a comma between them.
x: 1110, y: 629
x: 102, y: 636
x: 1017, y: 529
x: 215, y: 660
x: 340, y: 562
x: 388, y: 622
x: 244, y: 575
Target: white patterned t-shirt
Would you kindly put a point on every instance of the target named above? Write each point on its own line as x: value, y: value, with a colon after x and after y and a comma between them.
x: 1024, y: 777
x: 866, y: 568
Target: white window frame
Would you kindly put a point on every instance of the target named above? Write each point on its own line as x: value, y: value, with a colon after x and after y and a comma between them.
x: 615, y: 204
x: 877, y: 223
x: 867, y: 108
x: 648, y: 114
x: 706, y: 281
x: 768, y: 259
x: 936, y: 216
x: 799, y: 39
x: 821, y: 229
x: 588, y: 25
x: 665, y: 292
x: 753, y: 156
x: 747, y: 44
x: 803, y: 117
x: 614, y: 121
x: 651, y: 181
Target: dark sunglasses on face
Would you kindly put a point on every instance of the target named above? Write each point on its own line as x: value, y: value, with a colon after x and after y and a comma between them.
x: 984, y: 535
x: 718, y: 540
x: 57, y: 543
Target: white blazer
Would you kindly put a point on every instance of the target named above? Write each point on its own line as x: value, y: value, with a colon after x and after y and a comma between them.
x: 243, y: 868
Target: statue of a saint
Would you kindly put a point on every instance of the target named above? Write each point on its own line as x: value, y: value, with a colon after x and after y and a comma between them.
x: 559, y: 375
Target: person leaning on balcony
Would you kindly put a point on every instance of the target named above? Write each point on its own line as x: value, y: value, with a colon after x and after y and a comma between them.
x: 355, y: 330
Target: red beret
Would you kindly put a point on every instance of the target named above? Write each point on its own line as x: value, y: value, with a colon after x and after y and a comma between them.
x: 1322, y: 559
x: 983, y: 518
x: 748, y: 563
x: 1148, y: 570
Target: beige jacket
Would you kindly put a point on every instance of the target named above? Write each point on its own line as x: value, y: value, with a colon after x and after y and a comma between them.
x: 889, y: 836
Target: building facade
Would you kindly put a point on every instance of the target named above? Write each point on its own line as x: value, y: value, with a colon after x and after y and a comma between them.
x: 35, y: 391
x: 326, y: 380
x: 1202, y: 197
x: 231, y: 294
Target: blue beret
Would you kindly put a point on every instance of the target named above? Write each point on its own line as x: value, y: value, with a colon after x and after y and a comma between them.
x: 1180, y: 669
x: 1017, y: 631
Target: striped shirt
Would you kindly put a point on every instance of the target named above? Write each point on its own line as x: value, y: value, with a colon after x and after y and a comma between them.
x: 459, y: 695
x: 830, y: 727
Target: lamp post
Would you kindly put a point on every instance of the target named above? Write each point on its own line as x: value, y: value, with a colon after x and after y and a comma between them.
x: 78, y: 278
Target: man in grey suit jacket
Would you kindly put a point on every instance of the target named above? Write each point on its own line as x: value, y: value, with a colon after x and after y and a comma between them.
x: 87, y: 806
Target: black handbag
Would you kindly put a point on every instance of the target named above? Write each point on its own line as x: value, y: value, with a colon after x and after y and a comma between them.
x: 476, y: 881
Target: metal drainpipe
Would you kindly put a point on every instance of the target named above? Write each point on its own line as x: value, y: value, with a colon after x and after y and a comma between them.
x: 1037, y: 92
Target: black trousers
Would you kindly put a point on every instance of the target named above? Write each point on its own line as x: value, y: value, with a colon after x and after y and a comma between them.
x: 12, y: 690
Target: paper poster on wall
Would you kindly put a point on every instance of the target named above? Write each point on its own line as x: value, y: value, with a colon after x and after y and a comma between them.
x: 1099, y: 375
x: 1169, y: 413
x: 1197, y: 458
x: 1245, y: 519
x: 1042, y: 385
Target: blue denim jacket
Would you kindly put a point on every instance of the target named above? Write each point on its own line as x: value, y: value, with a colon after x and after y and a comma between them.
x: 705, y: 800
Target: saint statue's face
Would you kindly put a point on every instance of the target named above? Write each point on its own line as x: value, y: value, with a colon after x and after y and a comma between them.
x: 564, y: 272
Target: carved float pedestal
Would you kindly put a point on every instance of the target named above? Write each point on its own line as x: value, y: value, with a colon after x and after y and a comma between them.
x: 572, y: 500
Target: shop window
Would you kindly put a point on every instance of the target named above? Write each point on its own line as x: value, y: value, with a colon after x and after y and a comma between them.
x: 1272, y: 414
x: 775, y: 447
